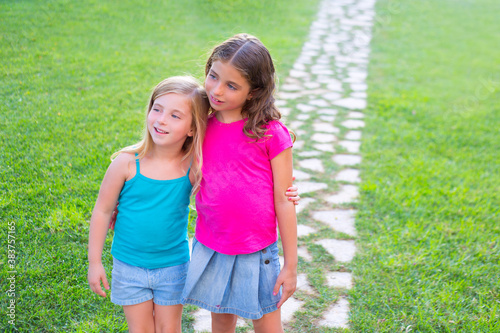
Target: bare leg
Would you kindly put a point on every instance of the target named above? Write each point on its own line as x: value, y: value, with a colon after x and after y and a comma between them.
x: 168, y: 318
x: 223, y: 322
x: 270, y: 322
x: 140, y: 317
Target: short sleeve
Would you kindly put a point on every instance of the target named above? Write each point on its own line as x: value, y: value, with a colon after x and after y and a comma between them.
x: 279, y: 139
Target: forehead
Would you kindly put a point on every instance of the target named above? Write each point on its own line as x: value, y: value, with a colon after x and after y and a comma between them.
x: 173, y: 101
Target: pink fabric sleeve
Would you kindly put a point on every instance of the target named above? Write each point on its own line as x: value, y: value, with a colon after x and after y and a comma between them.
x: 280, y: 139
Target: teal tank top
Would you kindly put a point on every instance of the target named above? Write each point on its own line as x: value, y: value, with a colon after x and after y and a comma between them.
x: 151, y: 226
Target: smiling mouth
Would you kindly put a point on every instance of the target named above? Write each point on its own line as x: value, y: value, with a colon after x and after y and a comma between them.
x: 160, y: 131
x: 215, y: 99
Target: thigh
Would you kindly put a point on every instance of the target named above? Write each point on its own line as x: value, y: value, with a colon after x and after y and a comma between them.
x: 223, y: 322
x: 270, y: 322
x: 168, y: 318
x: 140, y: 317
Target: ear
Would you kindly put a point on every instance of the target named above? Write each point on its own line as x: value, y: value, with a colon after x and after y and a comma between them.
x: 190, y: 133
x: 250, y: 94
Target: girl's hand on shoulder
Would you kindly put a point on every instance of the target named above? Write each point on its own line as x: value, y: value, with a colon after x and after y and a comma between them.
x: 288, y: 279
x: 293, y: 193
x: 96, y: 274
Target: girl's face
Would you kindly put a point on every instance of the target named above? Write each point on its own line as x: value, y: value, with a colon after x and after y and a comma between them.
x: 227, y: 89
x: 169, y: 120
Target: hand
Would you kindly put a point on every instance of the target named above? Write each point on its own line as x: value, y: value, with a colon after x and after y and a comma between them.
x: 293, y: 193
x: 96, y: 274
x: 287, y: 278
x: 113, y: 217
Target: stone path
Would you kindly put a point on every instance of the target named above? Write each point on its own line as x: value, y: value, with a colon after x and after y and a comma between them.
x: 322, y: 101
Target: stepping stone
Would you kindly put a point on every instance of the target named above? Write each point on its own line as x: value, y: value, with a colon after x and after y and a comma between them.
x: 285, y: 95
x: 296, y: 124
x: 285, y: 111
x: 302, y: 252
x: 303, y: 284
x: 288, y: 308
x: 309, y: 153
x: 328, y: 147
x: 291, y: 87
x: 335, y: 86
x: 318, y: 71
x: 298, y: 74
x: 203, y: 321
x: 306, y: 187
x: 327, y: 118
x: 303, y: 116
x: 347, y: 175
x: 351, y: 146
x: 355, y: 114
x: 341, y: 220
x: 300, y: 132
x: 312, y: 85
x: 359, y: 86
x: 345, y: 159
x: 360, y: 95
x: 332, y: 96
x: 351, y: 103
x: 331, y: 112
x: 299, y: 67
x: 312, y: 164
x: 304, y: 230
x: 319, y: 102
x: 339, y: 280
x: 337, y: 316
x: 280, y: 102
x: 347, y: 194
x: 323, y: 138
x: 353, y: 123
x: 298, y: 144
x: 341, y: 250
x: 323, y: 127
x: 301, y: 175
x: 303, y: 203
x: 353, y: 135
x: 305, y: 107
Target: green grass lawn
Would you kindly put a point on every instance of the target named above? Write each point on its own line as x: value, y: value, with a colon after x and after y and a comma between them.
x: 75, y: 78
x: 429, y: 226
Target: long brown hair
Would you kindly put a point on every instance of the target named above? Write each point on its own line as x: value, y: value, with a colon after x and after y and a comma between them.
x: 252, y: 59
x: 192, y: 147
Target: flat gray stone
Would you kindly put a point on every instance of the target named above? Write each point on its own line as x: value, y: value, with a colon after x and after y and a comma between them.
x: 339, y: 280
x: 303, y: 284
x: 301, y: 175
x: 335, y: 85
x: 337, y: 316
x: 351, y: 103
x: 305, y: 107
x: 280, y: 102
x: 312, y: 85
x: 353, y: 135
x: 360, y: 95
x: 319, y: 102
x: 359, y: 86
x: 304, y: 230
x: 341, y: 220
x: 300, y: 132
x: 327, y: 118
x: 285, y: 111
x: 351, y: 146
x: 348, y: 175
x: 331, y: 112
x: 310, y: 153
x: 325, y: 127
x: 347, y: 194
x: 306, y: 187
x: 333, y: 96
x: 355, y: 114
x: 296, y: 124
x: 298, y: 144
x: 303, y: 116
x: 288, y: 308
x: 312, y: 164
x: 303, y: 203
x: 345, y: 159
x: 353, y: 123
x: 323, y: 138
x: 291, y: 87
x: 288, y: 95
x: 328, y: 147
x: 302, y: 252
x: 298, y: 74
x: 342, y: 250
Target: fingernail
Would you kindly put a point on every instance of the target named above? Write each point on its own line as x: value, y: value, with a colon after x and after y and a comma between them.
x: 289, y: 198
x: 274, y: 294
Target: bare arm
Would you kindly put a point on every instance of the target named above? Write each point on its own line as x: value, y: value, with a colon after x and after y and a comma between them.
x: 287, y: 223
x: 106, y: 201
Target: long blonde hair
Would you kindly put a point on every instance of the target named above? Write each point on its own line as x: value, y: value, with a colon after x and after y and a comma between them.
x: 190, y: 88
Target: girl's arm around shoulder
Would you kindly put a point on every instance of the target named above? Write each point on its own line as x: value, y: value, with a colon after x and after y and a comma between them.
x: 287, y: 223
x: 116, y: 175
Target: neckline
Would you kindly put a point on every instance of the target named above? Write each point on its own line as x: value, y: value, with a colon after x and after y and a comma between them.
x: 229, y: 124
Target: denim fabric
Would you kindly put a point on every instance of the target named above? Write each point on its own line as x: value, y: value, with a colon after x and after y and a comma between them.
x: 133, y: 285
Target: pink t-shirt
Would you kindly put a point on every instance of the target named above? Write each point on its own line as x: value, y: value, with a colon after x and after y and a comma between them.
x: 235, y: 203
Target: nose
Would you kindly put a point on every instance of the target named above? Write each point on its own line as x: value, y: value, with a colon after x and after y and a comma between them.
x: 218, y: 89
x: 162, y: 119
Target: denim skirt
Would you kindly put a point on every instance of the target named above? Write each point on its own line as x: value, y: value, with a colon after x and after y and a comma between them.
x: 238, y: 284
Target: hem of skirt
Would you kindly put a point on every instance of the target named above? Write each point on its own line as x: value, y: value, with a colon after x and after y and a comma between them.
x: 239, y: 312
x: 131, y: 302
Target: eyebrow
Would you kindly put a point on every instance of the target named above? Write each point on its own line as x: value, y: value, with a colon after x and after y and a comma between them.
x: 173, y: 110
x: 230, y: 82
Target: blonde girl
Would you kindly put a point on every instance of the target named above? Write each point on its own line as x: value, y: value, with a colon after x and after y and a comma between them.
x: 152, y: 181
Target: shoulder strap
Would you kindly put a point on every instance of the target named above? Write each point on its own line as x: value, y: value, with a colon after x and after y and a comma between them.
x: 190, y: 163
x: 137, y: 165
